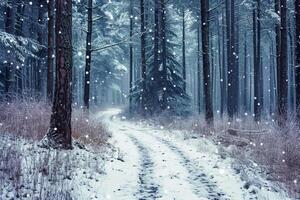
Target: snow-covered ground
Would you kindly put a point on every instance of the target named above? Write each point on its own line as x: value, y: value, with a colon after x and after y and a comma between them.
x: 152, y: 163
x: 145, y: 163
x: 29, y: 172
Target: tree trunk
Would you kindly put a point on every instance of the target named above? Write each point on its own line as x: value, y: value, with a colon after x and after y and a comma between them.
x: 291, y: 72
x: 282, y: 78
x: 206, y: 62
x: 162, y: 38
x: 272, y: 79
x: 278, y: 44
x: 236, y: 57
x: 224, y: 71
x: 234, y: 73
x: 257, y: 65
x: 220, y: 65
x: 50, y: 51
x: 143, y: 56
x: 199, y: 70
x: 9, y: 21
x: 131, y: 58
x: 183, y: 49
x: 297, y: 52
x: 59, y: 133
x: 41, y: 53
x: 231, y: 54
x: 245, y: 109
x: 19, y: 32
x: 88, y: 58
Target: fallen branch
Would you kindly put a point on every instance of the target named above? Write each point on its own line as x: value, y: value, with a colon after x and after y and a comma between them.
x: 231, y: 130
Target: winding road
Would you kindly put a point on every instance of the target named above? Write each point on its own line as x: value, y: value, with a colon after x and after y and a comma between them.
x: 151, y: 163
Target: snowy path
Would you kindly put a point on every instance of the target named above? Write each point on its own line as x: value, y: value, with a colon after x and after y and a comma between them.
x: 152, y: 164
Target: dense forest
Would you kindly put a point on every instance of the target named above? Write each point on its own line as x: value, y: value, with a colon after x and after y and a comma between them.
x: 216, y: 57
x: 223, y: 61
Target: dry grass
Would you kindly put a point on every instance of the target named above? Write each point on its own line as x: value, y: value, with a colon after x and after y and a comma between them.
x: 276, y: 149
x: 27, y: 119
x: 30, y: 119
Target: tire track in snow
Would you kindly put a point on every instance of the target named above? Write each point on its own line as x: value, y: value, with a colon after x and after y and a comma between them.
x: 148, y: 189
x: 196, y: 177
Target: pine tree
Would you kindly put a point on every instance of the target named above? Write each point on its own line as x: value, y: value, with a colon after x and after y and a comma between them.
x: 164, y: 83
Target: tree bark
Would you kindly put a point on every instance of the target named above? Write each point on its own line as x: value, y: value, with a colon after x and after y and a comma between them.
x: 88, y: 57
x: 41, y: 53
x: 282, y: 72
x: 131, y: 58
x: 19, y: 32
x: 50, y: 51
x: 162, y: 38
x: 232, y: 71
x: 245, y: 105
x: 9, y: 21
x: 272, y: 79
x: 143, y: 56
x: 278, y: 44
x: 224, y: 71
x: 206, y: 62
x: 220, y: 66
x: 297, y: 52
x: 183, y: 49
x: 257, y: 65
x: 199, y: 70
x: 59, y: 133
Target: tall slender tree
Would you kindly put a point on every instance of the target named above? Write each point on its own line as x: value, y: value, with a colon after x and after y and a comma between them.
x: 272, y: 78
x: 183, y: 48
x: 41, y: 53
x: 50, y: 50
x: 232, y: 99
x: 297, y: 52
x: 206, y: 62
x: 257, y: 60
x: 88, y: 57
x: 143, y: 55
x: 282, y: 84
x: 8, y: 27
x: 163, y: 50
x: 224, y: 67
x: 19, y: 32
x: 199, y: 69
x: 245, y: 76
x: 131, y: 56
x: 278, y: 42
x: 59, y: 133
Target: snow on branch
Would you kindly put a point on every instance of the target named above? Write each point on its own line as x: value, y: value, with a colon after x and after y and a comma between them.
x: 23, y: 46
x: 116, y: 44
